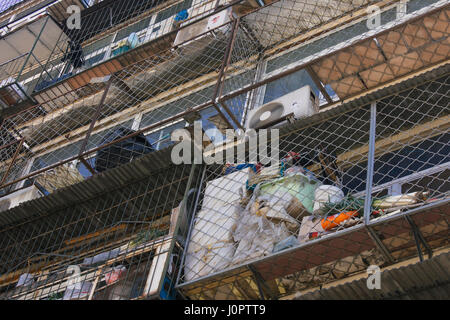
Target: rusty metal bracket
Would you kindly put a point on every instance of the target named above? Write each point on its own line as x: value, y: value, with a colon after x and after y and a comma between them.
x: 418, y: 238
x: 220, y: 79
x: 95, y: 118
x: 13, y: 160
x: 380, y: 245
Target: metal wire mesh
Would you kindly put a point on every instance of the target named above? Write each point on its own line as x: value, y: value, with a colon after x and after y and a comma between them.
x: 154, y: 84
x: 119, y: 246
x: 25, y: 47
x: 353, y: 58
x: 301, y: 223
x: 95, y: 44
x: 364, y: 181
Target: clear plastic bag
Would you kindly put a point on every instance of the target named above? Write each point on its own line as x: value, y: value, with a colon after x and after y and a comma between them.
x: 256, y: 235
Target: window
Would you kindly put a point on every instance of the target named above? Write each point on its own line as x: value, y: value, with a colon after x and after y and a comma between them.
x: 236, y: 106
x: 414, y: 5
x: 97, y: 51
x: 161, y: 139
x: 95, y: 59
x: 56, y: 156
x: 177, y: 106
x: 318, y: 47
x: 136, y: 28
x: 171, y: 11
x: 209, y: 127
x: 73, y: 149
x: 285, y: 85
x: 404, y: 162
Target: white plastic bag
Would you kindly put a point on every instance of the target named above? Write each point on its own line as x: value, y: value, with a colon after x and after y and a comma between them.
x: 208, y: 260
x: 277, y: 205
x: 256, y: 235
x: 211, y: 246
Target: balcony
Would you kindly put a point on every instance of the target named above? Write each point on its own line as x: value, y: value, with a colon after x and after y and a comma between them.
x: 359, y: 149
x: 143, y: 249
x: 21, y: 60
x: 98, y: 49
x: 157, y: 94
x: 382, y: 172
x: 379, y: 140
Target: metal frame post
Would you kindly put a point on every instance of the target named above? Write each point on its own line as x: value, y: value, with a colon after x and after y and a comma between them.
x: 369, y: 184
x: 95, y: 118
x: 174, y: 238
x: 419, y: 239
x: 370, y: 163
x: 220, y: 83
x: 191, y: 223
x: 13, y: 160
x: 48, y: 61
x: 32, y: 48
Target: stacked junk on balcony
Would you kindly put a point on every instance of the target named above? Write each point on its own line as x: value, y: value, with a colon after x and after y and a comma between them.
x: 257, y: 217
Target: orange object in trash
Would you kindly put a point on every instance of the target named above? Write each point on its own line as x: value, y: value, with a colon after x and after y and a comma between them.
x: 334, y: 221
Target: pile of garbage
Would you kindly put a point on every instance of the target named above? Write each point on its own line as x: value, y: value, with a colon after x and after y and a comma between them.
x: 276, y: 208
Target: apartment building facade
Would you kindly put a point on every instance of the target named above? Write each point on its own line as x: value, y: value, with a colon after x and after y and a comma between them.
x: 352, y: 177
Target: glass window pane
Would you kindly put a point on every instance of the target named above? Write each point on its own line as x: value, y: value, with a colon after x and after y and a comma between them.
x: 124, y: 33
x: 83, y: 170
x: 161, y: 139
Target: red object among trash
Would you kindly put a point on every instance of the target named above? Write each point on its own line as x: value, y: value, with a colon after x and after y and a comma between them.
x: 334, y: 221
x: 313, y: 235
x: 114, y: 275
x: 291, y: 156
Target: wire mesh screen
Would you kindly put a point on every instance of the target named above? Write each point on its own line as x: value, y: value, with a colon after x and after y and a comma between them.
x: 160, y: 82
x: 358, y: 176
x: 412, y: 165
x: 358, y: 55
x: 250, y: 214
x: 114, y: 124
x: 108, y: 32
x: 289, y: 18
x: 115, y: 247
x: 271, y: 230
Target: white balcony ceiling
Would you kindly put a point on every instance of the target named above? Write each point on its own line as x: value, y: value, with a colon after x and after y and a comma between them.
x: 21, y: 41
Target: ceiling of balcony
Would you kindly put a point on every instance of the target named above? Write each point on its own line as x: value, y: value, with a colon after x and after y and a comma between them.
x: 21, y: 41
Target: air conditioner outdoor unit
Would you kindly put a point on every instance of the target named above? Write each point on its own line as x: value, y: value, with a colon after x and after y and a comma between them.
x: 194, y: 31
x: 298, y: 104
x: 14, y: 199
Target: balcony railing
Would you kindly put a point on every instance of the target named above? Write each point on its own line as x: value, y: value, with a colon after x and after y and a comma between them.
x: 136, y: 263
x: 365, y: 185
x: 22, y: 60
x: 365, y: 178
x: 114, y: 49
x: 341, y: 192
x: 162, y: 89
